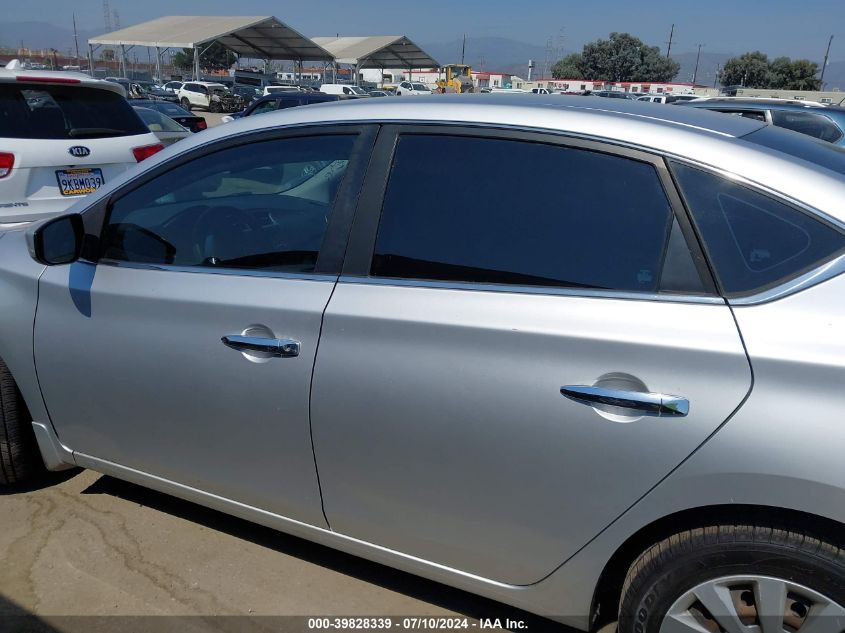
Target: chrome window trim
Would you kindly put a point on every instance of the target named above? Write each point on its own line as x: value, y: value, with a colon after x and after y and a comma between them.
x: 753, y: 184
x: 234, y: 272
x: 828, y: 270
x: 587, y: 293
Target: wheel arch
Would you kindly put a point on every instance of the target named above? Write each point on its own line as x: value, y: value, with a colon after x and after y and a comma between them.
x: 607, y: 592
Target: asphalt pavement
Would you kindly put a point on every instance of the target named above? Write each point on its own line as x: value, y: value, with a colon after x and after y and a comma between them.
x: 85, y: 544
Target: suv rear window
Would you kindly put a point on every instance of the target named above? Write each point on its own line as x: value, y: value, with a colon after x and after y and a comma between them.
x: 808, y: 123
x: 44, y: 111
x: 801, y: 146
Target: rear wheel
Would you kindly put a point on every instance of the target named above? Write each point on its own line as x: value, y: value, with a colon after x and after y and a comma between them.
x: 736, y: 579
x: 186, y: 104
x: 19, y: 456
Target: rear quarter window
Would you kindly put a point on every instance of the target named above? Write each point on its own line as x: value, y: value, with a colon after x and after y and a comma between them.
x: 44, y: 111
x: 754, y: 242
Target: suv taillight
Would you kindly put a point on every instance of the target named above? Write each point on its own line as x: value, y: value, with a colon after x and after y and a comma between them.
x: 146, y: 151
x: 7, y: 161
x: 202, y: 125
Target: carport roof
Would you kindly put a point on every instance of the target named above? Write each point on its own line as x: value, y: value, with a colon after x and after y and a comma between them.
x: 380, y: 51
x: 261, y: 37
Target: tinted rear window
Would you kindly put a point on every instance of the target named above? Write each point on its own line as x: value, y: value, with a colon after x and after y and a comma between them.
x: 801, y: 146
x: 42, y: 111
x: 607, y: 228
x: 808, y: 123
x: 170, y: 109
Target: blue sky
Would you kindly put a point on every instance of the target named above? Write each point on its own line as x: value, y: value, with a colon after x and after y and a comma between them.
x: 778, y: 27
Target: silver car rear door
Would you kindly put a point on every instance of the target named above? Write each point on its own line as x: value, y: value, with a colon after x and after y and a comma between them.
x: 451, y: 405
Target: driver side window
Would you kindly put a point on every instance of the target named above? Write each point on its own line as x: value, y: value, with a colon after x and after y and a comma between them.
x: 259, y: 206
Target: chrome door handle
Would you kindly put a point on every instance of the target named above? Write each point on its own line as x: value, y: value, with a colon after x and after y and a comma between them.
x: 281, y: 347
x: 654, y: 404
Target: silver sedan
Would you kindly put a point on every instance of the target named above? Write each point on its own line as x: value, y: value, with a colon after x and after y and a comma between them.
x: 579, y: 355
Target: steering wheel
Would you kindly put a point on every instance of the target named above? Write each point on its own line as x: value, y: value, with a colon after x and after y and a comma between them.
x: 224, y: 233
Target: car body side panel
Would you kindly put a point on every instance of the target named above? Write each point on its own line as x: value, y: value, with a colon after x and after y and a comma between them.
x: 782, y: 449
x: 19, y: 275
x: 440, y: 430
x: 142, y: 378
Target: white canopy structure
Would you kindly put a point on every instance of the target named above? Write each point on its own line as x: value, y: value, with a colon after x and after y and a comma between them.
x: 379, y: 51
x: 261, y: 37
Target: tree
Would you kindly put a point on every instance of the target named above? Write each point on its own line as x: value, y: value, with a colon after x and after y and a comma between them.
x: 803, y: 76
x: 780, y: 72
x: 751, y: 70
x: 568, y: 68
x: 754, y: 70
x: 215, y: 57
x: 621, y: 57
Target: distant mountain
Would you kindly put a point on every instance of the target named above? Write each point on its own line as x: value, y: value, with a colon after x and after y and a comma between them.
x: 498, y: 54
x: 707, y: 67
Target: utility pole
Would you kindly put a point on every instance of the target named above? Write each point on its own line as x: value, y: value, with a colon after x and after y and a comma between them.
x: 75, y: 39
x: 824, y: 65
x: 697, y: 59
x: 671, y: 35
x: 463, y: 49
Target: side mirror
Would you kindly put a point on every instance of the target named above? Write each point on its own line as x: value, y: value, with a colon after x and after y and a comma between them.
x: 58, y: 241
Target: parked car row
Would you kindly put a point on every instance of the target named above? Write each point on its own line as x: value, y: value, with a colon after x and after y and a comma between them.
x: 622, y: 404
x: 823, y: 122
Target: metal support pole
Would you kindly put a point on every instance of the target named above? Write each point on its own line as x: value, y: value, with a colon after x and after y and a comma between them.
x: 123, y: 61
x: 158, y: 63
x: 357, y: 71
x: 91, y: 60
x: 197, y: 53
x: 824, y: 63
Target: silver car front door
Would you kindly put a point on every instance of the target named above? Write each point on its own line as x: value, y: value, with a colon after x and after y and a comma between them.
x: 186, y: 351
x: 497, y: 379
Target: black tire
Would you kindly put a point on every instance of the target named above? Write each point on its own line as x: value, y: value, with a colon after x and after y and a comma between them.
x: 19, y: 456
x: 186, y: 104
x: 667, y: 570
x: 214, y: 106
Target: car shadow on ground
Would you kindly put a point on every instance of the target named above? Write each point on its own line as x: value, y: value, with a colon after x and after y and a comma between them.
x: 449, y: 598
x: 42, y: 480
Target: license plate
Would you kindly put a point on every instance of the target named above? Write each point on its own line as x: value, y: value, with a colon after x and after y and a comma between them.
x: 76, y: 182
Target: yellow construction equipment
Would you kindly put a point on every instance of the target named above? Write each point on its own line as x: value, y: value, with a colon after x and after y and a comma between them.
x: 458, y: 79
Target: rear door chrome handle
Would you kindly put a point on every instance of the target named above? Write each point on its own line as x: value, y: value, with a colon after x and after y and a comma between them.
x: 280, y: 347
x: 654, y: 404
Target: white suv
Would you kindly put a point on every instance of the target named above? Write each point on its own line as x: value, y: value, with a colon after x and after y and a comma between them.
x: 202, y: 94
x: 62, y: 136
x: 412, y: 88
